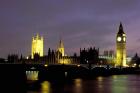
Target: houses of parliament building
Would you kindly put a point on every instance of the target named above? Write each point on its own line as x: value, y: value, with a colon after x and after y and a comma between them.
x: 90, y: 55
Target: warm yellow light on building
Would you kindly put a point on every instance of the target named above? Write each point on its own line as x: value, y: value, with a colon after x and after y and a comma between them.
x: 37, y: 46
x: 119, y: 39
x: 64, y: 61
x: 61, y: 48
x: 121, y: 47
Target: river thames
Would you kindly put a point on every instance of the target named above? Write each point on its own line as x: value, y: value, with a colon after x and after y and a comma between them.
x: 109, y: 84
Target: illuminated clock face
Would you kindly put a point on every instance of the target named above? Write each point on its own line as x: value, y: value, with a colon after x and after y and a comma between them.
x: 124, y: 39
x: 119, y: 39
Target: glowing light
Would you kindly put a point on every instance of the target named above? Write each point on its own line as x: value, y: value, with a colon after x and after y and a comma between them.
x: 123, y: 34
x: 27, y: 57
x: 45, y: 65
x: 119, y: 39
x: 78, y: 65
x: 66, y: 73
x: 135, y: 64
x: 124, y: 39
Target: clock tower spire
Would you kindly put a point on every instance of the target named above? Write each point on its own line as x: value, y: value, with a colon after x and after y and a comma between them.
x: 121, y: 47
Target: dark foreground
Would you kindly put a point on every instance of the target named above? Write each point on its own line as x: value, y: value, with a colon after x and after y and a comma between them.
x: 13, y: 76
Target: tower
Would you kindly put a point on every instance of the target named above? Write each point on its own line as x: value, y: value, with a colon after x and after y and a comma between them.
x: 37, y: 46
x: 121, y: 47
x: 61, y: 48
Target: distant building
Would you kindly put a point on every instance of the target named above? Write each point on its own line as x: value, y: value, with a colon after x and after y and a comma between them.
x: 61, y: 48
x: 51, y: 58
x: 89, y: 56
x: 108, y: 53
x: 13, y: 58
x: 121, y: 47
x: 62, y: 58
x: 108, y: 58
x: 55, y: 57
x: 37, y: 46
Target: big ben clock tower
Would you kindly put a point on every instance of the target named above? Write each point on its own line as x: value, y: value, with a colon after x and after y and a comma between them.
x: 121, y: 47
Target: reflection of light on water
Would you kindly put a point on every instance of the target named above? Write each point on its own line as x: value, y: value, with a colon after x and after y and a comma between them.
x: 114, y: 76
x: 78, y: 85
x: 100, y: 82
x: 45, y: 87
x: 66, y: 73
x: 32, y: 75
x: 78, y: 82
x: 119, y: 84
x: 100, y: 78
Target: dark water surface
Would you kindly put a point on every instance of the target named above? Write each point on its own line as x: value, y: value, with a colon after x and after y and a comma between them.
x: 110, y: 84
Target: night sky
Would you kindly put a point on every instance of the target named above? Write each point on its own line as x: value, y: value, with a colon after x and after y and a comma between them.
x: 80, y: 23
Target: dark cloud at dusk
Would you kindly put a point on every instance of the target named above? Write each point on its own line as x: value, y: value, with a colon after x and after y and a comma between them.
x: 80, y: 23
